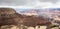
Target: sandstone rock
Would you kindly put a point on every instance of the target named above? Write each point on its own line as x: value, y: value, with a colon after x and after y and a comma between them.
x: 7, y: 11
x: 8, y: 16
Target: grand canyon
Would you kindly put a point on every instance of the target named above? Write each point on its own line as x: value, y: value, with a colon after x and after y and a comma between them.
x: 48, y: 18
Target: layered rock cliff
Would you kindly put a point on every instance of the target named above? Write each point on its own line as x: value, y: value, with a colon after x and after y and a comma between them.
x: 9, y: 16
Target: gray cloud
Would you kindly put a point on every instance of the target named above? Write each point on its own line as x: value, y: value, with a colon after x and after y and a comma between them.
x: 13, y: 2
x: 52, y: 1
x: 29, y: 3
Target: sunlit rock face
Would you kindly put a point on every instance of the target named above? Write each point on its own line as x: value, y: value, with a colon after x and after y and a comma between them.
x: 7, y: 11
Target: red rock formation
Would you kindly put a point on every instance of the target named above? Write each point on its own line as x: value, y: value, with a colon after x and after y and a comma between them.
x: 8, y: 16
x: 34, y: 21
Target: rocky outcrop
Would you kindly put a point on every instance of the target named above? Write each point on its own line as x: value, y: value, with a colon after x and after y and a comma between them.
x: 8, y: 16
x: 7, y: 11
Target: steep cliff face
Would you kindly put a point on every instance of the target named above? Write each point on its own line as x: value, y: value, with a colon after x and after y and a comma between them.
x: 7, y: 16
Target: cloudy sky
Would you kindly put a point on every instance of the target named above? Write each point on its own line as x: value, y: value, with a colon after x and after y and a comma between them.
x: 30, y: 3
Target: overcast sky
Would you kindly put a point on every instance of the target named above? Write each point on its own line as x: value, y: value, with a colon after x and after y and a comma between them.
x: 31, y: 3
